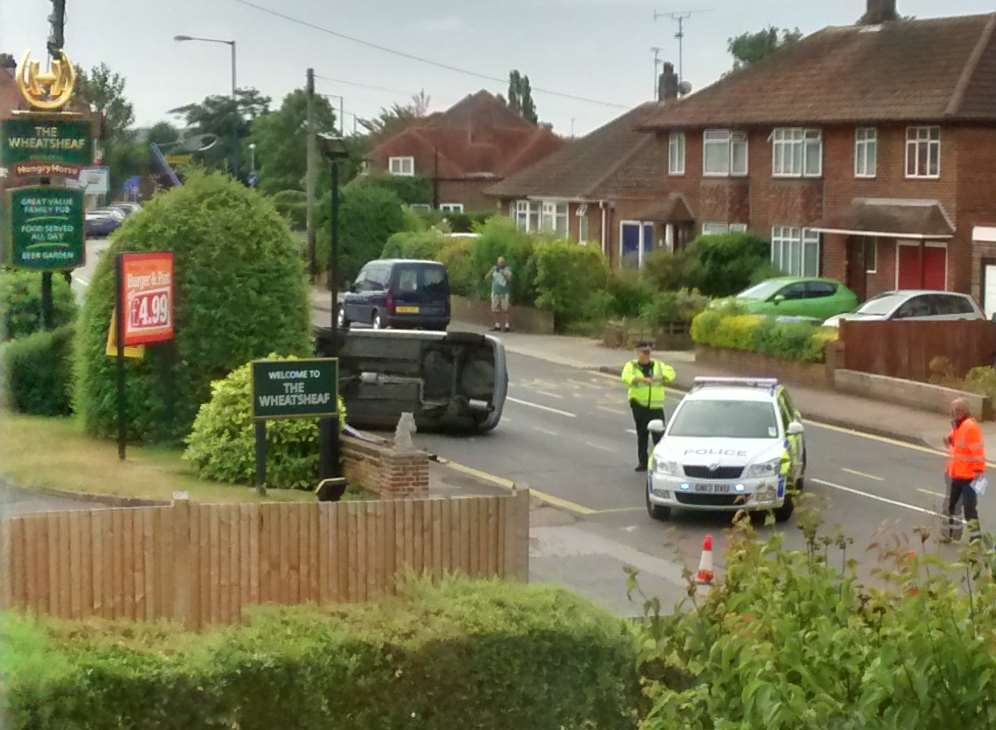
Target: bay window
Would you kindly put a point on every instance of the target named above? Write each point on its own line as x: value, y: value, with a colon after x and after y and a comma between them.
x: 795, y: 251
x: 541, y: 216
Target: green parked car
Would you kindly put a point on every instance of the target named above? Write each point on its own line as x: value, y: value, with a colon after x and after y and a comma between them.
x: 794, y: 296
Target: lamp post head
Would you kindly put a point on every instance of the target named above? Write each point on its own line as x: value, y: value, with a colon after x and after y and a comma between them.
x: 252, y: 145
x: 181, y: 38
x: 332, y: 148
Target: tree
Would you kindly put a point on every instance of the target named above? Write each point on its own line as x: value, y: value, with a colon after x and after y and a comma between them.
x: 396, y: 119
x: 162, y: 133
x: 748, y: 48
x: 281, y: 139
x: 103, y: 89
x: 520, y: 96
x: 230, y: 120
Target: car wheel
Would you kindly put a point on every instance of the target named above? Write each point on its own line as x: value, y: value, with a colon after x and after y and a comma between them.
x: 377, y: 323
x: 785, y: 511
x: 342, y: 319
x: 655, y: 511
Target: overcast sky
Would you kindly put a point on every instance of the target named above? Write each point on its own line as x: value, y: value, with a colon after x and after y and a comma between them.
x: 599, y: 49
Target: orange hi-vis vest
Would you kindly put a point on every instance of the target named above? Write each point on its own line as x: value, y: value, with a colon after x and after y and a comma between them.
x: 968, y: 456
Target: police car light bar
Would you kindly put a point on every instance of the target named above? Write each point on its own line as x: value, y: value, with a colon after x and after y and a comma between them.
x: 705, y: 382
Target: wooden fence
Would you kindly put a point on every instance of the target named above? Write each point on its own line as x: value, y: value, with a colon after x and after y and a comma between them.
x: 904, y: 349
x: 202, y: 563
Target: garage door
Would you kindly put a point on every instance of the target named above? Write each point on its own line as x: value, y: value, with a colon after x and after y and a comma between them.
x: 935, y: 260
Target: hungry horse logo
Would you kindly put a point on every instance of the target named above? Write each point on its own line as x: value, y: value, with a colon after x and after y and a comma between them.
x: 47, y: 90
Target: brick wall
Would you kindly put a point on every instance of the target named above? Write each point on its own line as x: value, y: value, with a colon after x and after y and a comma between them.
x: 378, y: 467
x: 468, y: 192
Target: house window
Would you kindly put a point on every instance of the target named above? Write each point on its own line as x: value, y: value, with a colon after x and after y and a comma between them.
x: 714, y: 229
x: 795, y: 250
x: 404, y: 166
x: 796, y: 152
x: 738, y: 228
x: 554, y: 219
x: 676, y: 154
x: 865, y: 152
x: 871, y: 255
x: 923, y: 152
x: 420, y: 207
x: 724, y: 153
x: 582, y: 214
x: 451, y: 207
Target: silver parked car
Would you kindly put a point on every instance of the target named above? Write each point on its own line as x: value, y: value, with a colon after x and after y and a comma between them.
x: 914, y: 304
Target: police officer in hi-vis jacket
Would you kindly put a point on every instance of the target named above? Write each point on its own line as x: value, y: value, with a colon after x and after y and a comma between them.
x: 645, y: 379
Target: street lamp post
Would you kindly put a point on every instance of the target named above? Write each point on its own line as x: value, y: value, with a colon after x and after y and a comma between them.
x: 333, y: 150
x: 252, y: 158
x: 235, y: 131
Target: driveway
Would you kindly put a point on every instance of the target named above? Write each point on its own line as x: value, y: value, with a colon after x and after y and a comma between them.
x: 15, y: 501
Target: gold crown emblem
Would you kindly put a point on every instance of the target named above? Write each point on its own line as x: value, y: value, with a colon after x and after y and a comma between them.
x: 47, y: 90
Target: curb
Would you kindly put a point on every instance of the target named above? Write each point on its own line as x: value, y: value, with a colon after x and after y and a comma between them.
x: 107, y: 499
x: 815, y: 418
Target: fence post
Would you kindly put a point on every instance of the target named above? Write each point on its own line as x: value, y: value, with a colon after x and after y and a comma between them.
x: 183, y: 573
x: 517, y: 537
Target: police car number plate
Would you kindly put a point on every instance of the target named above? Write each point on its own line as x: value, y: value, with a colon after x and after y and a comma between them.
x: 713, y: 488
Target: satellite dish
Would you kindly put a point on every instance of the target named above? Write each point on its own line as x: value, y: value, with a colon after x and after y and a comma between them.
x: 684, y: 88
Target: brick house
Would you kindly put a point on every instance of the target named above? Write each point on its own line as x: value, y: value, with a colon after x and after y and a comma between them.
x: 472, y: 145
x: 609, y: 188
x: 864, y: 153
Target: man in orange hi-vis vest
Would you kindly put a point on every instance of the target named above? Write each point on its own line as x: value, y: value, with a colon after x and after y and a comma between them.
x: 967, y: 463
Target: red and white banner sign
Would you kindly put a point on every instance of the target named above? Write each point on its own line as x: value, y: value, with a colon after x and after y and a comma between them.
x: 147, y: 297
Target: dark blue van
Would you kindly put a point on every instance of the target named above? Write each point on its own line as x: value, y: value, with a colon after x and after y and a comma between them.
x: 398, y: 294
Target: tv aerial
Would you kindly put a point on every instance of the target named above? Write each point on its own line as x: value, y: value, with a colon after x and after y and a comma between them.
x: 679, y: 17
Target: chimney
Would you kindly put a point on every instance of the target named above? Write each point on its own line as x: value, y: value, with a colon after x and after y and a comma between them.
x: 8, y: 63
x: 879, y: 11
x: 667, y: 85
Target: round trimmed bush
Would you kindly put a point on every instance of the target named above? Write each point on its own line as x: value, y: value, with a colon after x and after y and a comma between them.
x: 37, y: 372
x: 222, y: 444
x: 20, y: 303
x: 240, y: 294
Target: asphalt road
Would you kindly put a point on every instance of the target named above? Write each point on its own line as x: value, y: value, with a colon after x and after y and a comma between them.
x: 568, y: 434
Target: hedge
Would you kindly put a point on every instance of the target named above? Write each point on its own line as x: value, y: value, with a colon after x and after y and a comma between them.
x: 726, y: 327
x: 498, y: 236
x: 716, y: 265
x: 20, y: 303
x: 414, y: 245
x: 465, y: 654
x: 293, y: 206
x: 567, y: 275
x: 368, y: 216
x: 240, y: 294
x: 38, y: 370
x: 222, y: 443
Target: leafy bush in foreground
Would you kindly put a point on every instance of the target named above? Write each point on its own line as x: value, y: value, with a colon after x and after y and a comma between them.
x: 38, y: 372
x: 20, y: 303
x: 727, y: 327
x: 476, y: 655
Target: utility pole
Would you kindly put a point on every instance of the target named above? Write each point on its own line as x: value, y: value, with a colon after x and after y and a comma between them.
x: 312, y: 155
x: 56, y: 40
x: 679, y: 17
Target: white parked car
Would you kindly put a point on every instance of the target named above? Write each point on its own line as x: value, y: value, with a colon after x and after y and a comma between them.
x: 723, y: 450
x: 913, y: 304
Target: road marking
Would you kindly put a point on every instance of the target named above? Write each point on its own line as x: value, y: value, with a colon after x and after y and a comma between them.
x: 932, y: 494
x: 600, y: 447
x: 546, y: 431
x: 616, y: 411
x: 509, y: 484
x: 547, y: 393
x: 877, y: 498
x: 583, y: 384
x: 631, y: 430
x: 863, y: 474
x: 614, y: 510
x: 542, y: 408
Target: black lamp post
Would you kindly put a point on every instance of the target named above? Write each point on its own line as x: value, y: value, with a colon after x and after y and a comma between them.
x: 333, y: 149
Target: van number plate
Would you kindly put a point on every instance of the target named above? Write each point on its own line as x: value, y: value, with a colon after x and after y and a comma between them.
x: 713, y: 488
x: 407, y: 310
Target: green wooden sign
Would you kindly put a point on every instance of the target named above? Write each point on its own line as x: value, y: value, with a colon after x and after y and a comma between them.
x: 44, y: 229
x: 295, y: 388
x: 45, y: 146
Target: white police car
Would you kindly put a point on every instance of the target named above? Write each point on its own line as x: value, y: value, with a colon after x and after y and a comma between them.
x: 724, y: 450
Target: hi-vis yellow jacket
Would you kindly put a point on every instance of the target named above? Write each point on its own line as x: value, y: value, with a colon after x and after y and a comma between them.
x: 649, y: 395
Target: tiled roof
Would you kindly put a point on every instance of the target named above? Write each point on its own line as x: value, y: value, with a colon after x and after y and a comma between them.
x: 477, y: 137
x: 601, y: 164
x: 915, y: 218
x: 924, y: 70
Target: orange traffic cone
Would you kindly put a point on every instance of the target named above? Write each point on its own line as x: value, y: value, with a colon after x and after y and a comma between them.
x: 705, y: 574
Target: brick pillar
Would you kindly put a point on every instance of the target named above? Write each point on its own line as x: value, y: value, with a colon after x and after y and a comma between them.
x: 404, y: 474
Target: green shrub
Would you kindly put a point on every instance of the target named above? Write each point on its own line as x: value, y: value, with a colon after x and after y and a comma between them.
x: 414, y: 245
x: 665, y: 271
x: 408, y: 189
x: 499, y: 237
x: 566, y: 277
x: 764, y: 272
x: 791, y: 640
x: 727, y: 327
x: 722, y: 265
x: 222, y: 443
x: 240, y: 293
x: 293, y: 206
x: 630, y: 292
x: 456, y: 255
x: 38, y: 371
x: 20, y: 303
x: 474, y: 654
x: 368, y: 216
x: 466, y: 222
x: 671, y: 306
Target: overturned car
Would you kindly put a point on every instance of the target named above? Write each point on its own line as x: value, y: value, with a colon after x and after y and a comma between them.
x: 448, y: 380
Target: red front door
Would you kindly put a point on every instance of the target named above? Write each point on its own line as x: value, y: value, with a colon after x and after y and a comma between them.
x: 934, y: 267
